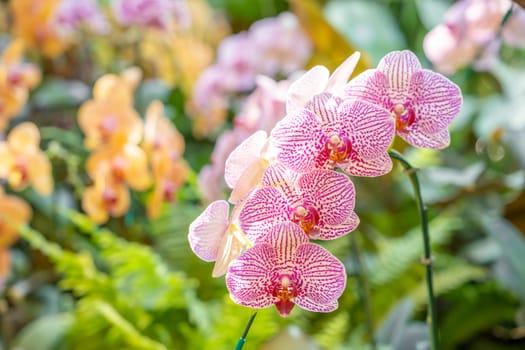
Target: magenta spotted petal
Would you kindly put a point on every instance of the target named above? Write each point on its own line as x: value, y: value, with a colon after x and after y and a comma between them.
x: 351, y: 135
x: 321, y: 202
x: 422, y: 102
x: 285, y: 270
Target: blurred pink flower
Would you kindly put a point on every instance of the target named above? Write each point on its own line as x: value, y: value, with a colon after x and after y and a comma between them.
x: 271, y: 46
x: 151, y: 13
x: 260, y: 111
x: 282, y: 46
x: 470, y: 33
x: 422, y: 102
x: 321, y: 202
x: 286, y: 270
x: 237, y: 57
x: 330, y: 132
x: 70, y: 15
x: 215, y: 236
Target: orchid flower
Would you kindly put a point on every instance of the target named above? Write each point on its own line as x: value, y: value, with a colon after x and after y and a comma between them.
x: 13, y: 212
x: 22, y: 162
x: 321, y: 202
x: 330, y: 132
x: 422, y: 102
x: 285, y: 270
x: 215, y: 236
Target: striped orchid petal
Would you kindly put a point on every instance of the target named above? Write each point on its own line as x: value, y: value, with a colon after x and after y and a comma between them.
x: 339, y: 230
x: 372, y: 128
x: 322, y: 275
x: 264, y: 208
x: 320, y: 202
x: 285, y: 270
x: 422, y: 102
x: 357, y: 166
x: 332, y: 194
x: 300, y: 140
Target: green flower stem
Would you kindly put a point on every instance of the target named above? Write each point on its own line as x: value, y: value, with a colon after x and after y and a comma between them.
x: 242, y: 339
x: 364, y: 288
x: 427, y: 259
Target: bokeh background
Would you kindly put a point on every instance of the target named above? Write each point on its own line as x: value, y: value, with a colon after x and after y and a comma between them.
x: 105, y: 264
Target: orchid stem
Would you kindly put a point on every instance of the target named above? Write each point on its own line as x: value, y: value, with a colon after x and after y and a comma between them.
x: 242, y: 339
x: 364, y: 289
x: 427, y: 259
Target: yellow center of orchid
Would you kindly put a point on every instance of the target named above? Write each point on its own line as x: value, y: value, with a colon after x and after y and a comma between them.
x: 338, y: 147
x: 306, y: 218
x: 404, y: 116
x: 285, y: 292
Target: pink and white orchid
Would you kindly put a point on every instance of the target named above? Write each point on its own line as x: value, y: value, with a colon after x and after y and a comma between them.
x: 214, y: 236
x: 351, y: 135
x: 321, y: 202
x: 285, y: 270
x: 422, y: 102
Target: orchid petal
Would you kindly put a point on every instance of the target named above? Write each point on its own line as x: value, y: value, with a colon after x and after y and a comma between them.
x: 435, y: 100
x: 331, y: 193
x: 325, y: 107
x: 322, y: 275
x: 207, y: 230
x: 357, y: 166
x: 370, y: 86
x: 372, y: 128
x: 438, y: 140
x: 248, y: 278
x: 299, y: 139
x: 311, y: 83
x: 398, y: 67
x: 329, y: 232
x: 264, y: 208
x: 341, y: 75
x: 281, y: 177
x: 243, y: 156
x: 230, y: 247
x: 285, y: 238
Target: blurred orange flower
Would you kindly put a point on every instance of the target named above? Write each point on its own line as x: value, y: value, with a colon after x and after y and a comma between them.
x: 169, y: 174
x: 22, y: 162
x: 127, y: 164
x: 109, y: 118
x: 164, y: 145
x: 105, y: 198
x: 32, y: 23
x: 13, y: 213
x: 16, y: 77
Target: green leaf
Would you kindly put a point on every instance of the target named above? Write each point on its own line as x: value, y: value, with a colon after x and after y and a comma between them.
x: 59, y: 93
x: 431, y: 12
x: 512, y: 244
x: 367, y: 24
x: 396, y: 255
x: 45, y: 333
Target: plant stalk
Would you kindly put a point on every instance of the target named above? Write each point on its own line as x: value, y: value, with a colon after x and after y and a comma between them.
x: 427, y: 259
x: 242, y: 339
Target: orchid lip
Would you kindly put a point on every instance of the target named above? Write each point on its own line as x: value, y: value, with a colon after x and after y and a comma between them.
x: 404, y: 116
